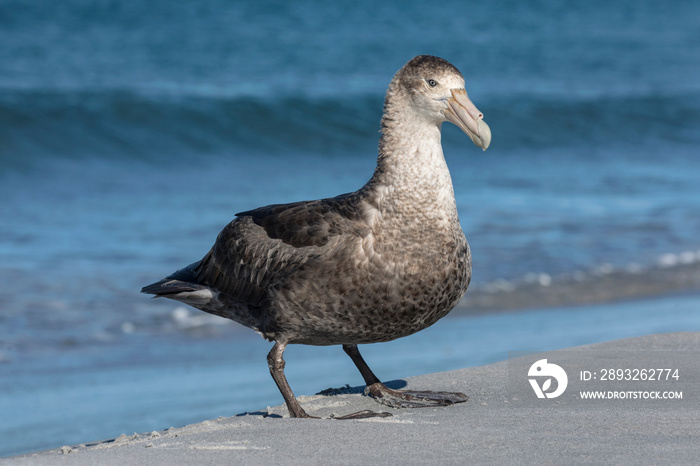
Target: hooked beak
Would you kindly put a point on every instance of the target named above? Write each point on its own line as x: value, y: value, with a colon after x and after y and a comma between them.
x: 463, y: 113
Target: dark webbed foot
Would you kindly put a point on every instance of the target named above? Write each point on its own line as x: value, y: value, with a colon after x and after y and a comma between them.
x: 400, y: 398
x: 362, y: 415
x: 413, y: 398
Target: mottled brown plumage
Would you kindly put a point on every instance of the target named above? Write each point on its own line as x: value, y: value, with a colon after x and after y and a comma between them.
x: 374, y: 265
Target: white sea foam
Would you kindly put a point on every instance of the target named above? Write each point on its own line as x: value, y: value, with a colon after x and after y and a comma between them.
x: 667, y: 260
x: 185, y: 319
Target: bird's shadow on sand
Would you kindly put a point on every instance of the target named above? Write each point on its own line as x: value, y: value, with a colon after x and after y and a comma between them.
x: 346, y: 390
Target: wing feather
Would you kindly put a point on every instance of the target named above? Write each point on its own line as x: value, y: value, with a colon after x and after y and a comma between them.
x: 263, y: 248
x: 309, y: 223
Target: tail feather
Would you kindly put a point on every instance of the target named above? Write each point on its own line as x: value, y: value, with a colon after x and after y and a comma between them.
x: 168, y: 286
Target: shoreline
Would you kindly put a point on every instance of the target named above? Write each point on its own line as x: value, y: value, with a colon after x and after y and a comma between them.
x: 103, y: 394
x: 603, y: 286
x: 483, y: 430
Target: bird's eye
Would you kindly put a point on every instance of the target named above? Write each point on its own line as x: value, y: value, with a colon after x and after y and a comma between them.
x: 432, y: 83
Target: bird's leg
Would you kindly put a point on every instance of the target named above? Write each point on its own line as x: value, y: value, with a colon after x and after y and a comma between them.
x: 400, y: 398
x: 276, y: 364
x: 367, y: 374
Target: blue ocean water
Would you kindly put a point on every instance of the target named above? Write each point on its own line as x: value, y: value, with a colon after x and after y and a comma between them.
x: 132, y: 132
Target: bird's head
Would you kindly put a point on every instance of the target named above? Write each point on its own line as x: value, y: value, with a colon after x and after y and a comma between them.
x: 435, y: 89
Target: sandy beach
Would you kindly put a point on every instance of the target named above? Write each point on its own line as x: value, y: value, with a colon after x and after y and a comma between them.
x: 488, y: 429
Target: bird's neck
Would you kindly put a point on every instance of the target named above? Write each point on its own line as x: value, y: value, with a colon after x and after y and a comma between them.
x: 411, y: 168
